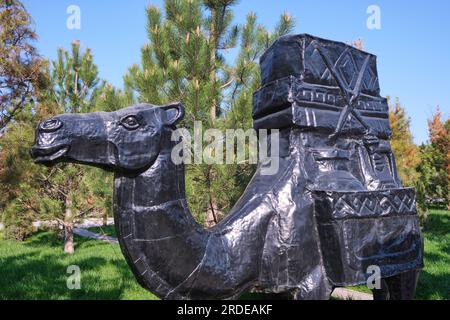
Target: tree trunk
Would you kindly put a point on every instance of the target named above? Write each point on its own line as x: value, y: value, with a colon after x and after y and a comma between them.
x: 105, y: 217
x: 212, y: 213
x: 210, y: 217
x: 213, y: 42
x: 68, y: 227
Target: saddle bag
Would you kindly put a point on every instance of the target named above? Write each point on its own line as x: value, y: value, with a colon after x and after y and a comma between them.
x: 362, y: 232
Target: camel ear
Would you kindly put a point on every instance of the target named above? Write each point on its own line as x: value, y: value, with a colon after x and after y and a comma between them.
x: 174, y: 113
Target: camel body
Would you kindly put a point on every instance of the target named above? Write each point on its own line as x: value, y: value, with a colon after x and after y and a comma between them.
x: 271, y: 239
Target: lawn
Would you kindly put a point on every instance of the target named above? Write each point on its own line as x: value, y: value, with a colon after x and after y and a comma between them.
x: 36, y: 268
x: 434, y: 282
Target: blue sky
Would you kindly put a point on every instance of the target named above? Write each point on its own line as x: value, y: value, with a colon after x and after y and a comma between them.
x: 412, y: 45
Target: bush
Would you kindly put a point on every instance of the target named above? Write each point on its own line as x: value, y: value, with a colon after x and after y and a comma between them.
x: 18, y: 224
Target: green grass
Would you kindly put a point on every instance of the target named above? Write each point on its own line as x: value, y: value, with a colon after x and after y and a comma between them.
x: 37, y: 269
x: 434, y: 281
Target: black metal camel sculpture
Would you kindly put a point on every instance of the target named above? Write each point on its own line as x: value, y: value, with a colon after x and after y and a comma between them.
x: 334, y: 208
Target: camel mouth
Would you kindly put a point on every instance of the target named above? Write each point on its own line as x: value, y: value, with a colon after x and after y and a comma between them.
x: 48, y: 154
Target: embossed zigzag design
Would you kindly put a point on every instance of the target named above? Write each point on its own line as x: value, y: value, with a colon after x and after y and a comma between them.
x: 363, y: 205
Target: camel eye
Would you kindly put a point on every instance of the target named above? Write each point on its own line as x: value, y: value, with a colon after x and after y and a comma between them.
x: 130, y: 122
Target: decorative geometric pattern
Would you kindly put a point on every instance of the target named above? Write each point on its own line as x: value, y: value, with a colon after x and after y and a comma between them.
x: 370, y: 80
x: 321, y: 95
x: 318, y: 68
x: 347, y: 67
x: 368, y: 204
x: 347, y: 72
x: 348, y: 64
x: 316, y: 65
x: 291, y: 89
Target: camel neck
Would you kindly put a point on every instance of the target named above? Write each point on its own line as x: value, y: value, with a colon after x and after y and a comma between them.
x: 170, y: 252
x: 161, y: 183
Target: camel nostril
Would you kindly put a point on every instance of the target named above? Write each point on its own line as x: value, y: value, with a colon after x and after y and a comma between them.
x: 50, y: 125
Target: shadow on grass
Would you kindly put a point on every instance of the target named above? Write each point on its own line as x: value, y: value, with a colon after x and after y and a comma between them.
x: 432, y: 287
x: 37, y: 269
x: 438, y: 224
x: 47, y: 238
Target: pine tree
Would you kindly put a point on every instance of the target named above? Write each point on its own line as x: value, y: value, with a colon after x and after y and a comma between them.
x: 185, y: 60
x: 18, y: 176
x: 75, y: 87
x: 65, y: 192
x: 246, y: 80
x: 21, y: 69
x: 75, y: 82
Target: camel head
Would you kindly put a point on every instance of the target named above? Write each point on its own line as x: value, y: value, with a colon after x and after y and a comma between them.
x: 125, y: 140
